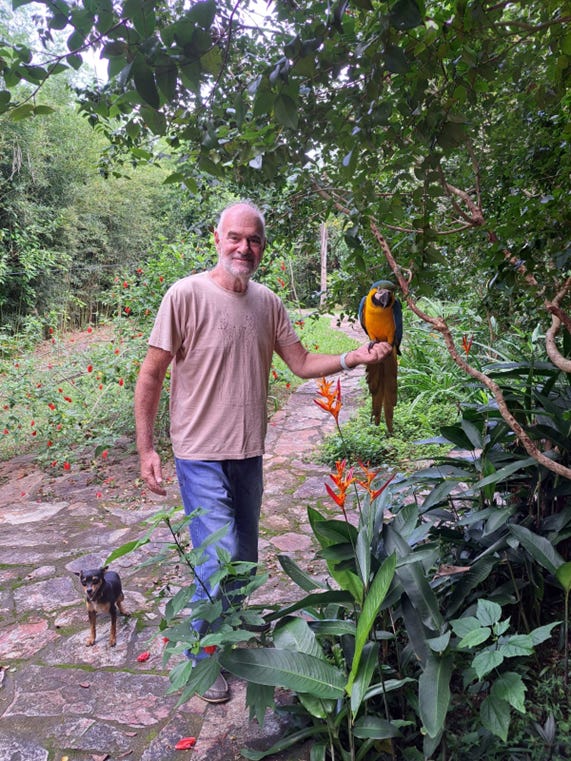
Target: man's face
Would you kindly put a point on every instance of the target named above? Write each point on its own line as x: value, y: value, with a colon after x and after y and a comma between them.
x: 240, y: 242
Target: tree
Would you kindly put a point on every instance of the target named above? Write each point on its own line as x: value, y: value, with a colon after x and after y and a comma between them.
x: 437, y: 128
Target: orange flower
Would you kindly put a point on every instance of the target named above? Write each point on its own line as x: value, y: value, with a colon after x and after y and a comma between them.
x: 467, y: 343
x: 331, y: 401
x: 342, y: 481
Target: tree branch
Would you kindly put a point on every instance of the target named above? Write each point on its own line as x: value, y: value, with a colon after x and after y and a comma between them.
x: 440, y: 325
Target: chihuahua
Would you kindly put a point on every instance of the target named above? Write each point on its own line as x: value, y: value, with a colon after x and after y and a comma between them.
x: 103, y: 594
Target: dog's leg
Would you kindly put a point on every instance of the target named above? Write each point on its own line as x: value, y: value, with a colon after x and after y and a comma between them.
x: 92, y: 618
x: 113, y: 632
x: 120, y: 605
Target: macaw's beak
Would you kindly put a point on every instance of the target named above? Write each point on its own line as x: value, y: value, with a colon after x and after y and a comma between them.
x: 383, y: 298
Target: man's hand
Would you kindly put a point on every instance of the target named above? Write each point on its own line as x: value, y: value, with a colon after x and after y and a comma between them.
x: 369, y: 353
x: 151, y: 472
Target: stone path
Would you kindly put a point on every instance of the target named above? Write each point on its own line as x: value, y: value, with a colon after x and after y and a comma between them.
x: 63, y: 701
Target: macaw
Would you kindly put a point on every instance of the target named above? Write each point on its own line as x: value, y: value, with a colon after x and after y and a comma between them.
x: 380, y: 315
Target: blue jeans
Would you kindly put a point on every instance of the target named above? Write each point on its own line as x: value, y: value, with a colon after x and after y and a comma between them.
x: 230, y: 493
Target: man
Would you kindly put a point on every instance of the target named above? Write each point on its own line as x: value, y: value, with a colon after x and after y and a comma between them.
x: 220, y: 330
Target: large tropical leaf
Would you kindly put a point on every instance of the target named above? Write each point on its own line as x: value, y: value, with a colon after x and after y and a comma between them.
x: 299, y: 672
x: 539, y: 548
x: 434, y: 693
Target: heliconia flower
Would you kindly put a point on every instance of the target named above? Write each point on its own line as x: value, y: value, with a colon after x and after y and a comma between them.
x: 331, y: 401
x: 186, y: 743
x: 342, y: 480
x: 142, y: 657
x: 467, y: 343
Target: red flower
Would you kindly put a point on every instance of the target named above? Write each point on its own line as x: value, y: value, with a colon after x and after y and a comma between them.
x: 90, y: 329
x: 209, y: 649
x: 66, y: 466
x: 104, y: 454
x: 89, y: 368
x: 50, y: 444
x: 144, y: 656
x: 127, y: 310
x: 52, y: 406
x: 125, y: 284
x: 186, y: 743
x: 98, y: 495
x: 121, y: 381
x: 331, y: 401
x: 342, y: 481
x: 68, y: 399
x: 467, y: 343
x: 161, y: 278
x: 6, y: 431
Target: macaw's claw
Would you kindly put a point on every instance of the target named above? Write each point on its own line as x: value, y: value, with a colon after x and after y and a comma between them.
x: 371, y: 344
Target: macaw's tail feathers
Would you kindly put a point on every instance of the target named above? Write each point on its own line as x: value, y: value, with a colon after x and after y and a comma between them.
x: 382, y: 382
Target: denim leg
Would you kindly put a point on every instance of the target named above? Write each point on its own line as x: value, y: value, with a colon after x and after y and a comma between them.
x: 230, y: 493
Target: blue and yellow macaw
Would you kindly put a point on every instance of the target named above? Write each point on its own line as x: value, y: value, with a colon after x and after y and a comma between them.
x: 380, y: 314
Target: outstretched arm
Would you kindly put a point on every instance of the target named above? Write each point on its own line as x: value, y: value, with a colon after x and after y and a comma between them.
x: 147, y: 396
x: 307, y: 364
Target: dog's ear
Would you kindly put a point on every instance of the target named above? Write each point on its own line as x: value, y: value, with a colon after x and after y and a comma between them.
x: 105, y: 568
x: 78, y: 573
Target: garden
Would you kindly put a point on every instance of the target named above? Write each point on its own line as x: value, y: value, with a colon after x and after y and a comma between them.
x: 430, y: 140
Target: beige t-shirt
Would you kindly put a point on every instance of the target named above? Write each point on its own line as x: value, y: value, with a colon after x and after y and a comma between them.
x: 222, y: 344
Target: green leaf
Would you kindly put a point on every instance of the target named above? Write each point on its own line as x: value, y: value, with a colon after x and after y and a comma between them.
x: 488, y: 613
x: 516, y: 645
x: 405, y: 14
x: 434, y: 693
x: 563, y: 575
x: 487, y: 661
x: 375, y: 728
x: 473, y: 433
x: 282, y: 668
x: 475, y: 637
x: 126, y: 548
x: 503, y: 473
x: 510, y: 687
x: 295, y: 634
x: 542, y: 633
x: 368, y: 663
x: 298, y: 575
x: 285, y: 110
x: 166, y: 77
x: 538, y: 547
x: 395, y: 60
x: 373, y: 601
x: 259, y: 697
x: 463, y: 626
x: 154, y: 120
x: 144, y: 79
x: 142, y: 14
x: 283, y: 744
x: 495, y: 716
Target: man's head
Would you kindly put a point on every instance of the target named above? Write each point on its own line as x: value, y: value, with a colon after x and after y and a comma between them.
x: 240, y: 241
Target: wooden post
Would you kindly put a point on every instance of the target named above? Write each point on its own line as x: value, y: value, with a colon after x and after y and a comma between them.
x: 323, y: 281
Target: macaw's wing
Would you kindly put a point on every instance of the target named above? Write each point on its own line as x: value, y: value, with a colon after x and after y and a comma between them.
x: 362, y: 314
x: 382, y: 383
x: 397, y: 314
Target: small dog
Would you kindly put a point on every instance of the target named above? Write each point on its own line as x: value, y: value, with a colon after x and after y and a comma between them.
x: 103, y: 594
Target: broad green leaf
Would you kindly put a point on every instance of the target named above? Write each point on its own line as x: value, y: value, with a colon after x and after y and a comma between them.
x: 439, y: 494
x: 371, y: 606
x: 473, y: 434
x: 543, y: 633
x: 363, y: 556
x: 395, y: 60
x: 259, y: 697
x: 295, y: 634
x: 298, y: 575
x: 154, y: 120
x: 286, y: 742
x: 510, y: 687
x: 144, y: 79
x: 488, y: 613
x: 563, y: 575
x: 282, y: 668
x: 126, y: 548
x: 463, y: 626
x: 485, y: 662
x: 539, y: 548
x: 142, y: 14
x: 369, y: 662
x: 439, y: 644
x: 203, y: 13
x: 475, y: 637
x: 434, y: 693
x: 375, y: 728
x: 285, y: 109
x: 516, y: 645
x: 166, y: 77
x: 503, y: 473
x: 495, y: 716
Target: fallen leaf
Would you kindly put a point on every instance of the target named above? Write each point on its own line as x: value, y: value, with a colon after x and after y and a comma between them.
x: 186, y: 743
x: 85, y: 685
x: 144, y: 656
x: 450, y: 570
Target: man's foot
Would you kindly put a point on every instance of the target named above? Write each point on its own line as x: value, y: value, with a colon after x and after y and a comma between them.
x: 219, y: 692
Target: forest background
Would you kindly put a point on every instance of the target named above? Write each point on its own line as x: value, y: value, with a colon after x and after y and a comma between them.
x: 432, y: 140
